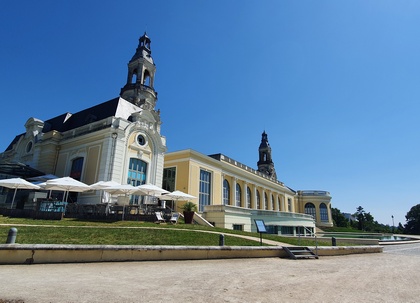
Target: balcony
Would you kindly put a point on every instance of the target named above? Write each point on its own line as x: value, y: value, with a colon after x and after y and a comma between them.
x: 313, y: 193
x: 139, y: 87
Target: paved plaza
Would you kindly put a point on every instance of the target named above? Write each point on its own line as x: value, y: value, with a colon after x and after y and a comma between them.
x: 391, y: 276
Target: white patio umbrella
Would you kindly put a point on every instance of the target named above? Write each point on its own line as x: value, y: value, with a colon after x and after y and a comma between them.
x: 102, y: 185
x: 122, y: 189
x: 151, y: 189
x: 17, y: 183
x: 177, y: 196
x: 66, y: 184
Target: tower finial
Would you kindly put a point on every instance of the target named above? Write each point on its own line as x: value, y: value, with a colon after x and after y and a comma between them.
x: 141, y: 75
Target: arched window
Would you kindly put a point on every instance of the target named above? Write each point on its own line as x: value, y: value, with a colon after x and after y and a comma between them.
x: 134, y: 77
x: 226, y: 192
x: 310, y: 210
x: 76, y: 168
x: 323, y: 211
x: 258, y: 200
x: 137, y: 172
x: 146, y: 78
x: 265, y: 201
x: 273, y: 201
x: 75, y: 173
x: 248, y: 197
x: 238, y: 195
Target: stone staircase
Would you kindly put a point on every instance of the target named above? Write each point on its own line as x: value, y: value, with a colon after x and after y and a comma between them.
x: 300, y: 252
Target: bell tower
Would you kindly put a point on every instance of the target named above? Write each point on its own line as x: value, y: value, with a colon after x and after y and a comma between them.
x: 141, y: 75
x: 265, y: 163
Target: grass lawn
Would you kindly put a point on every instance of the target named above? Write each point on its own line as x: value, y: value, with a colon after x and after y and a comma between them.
x: 73, y: 231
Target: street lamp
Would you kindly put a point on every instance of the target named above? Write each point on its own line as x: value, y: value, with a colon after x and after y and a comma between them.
x: 392, y: 223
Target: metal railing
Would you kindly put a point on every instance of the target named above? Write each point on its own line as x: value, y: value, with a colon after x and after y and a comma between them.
x: 313, y: 234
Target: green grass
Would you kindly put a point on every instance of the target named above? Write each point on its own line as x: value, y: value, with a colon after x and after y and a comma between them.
x: 73, y: 231
x: 117, y: 236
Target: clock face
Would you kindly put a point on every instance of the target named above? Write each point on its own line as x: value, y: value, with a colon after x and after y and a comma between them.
x: 141, y: 140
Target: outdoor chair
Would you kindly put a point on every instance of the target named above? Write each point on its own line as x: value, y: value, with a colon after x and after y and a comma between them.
x: 174, y: 218
x: 159, y: 217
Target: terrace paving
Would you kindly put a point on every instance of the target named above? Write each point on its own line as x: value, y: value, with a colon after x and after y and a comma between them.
x: 391, y: 276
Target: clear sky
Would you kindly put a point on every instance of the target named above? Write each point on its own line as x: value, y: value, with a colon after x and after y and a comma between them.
x: 335, y: 84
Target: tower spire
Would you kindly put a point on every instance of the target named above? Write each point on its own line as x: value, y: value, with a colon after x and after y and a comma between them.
x: 265, y: 162
x: 139, y: 88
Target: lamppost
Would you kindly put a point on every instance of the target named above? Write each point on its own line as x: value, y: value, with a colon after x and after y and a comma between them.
x: 392, y: 223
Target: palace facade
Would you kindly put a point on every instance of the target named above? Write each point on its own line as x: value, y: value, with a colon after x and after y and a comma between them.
x: 120, y: 140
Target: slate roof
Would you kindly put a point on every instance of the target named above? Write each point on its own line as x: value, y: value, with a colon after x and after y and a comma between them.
x: 68, y: 121
x: 15, y: 140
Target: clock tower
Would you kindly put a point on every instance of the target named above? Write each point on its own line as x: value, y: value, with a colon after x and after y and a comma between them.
x: 265, y: 163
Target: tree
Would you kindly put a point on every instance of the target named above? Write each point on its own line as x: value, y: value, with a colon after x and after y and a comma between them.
x: 400, y: 228
x: 360, y: 216
x: 366, y: 222
x: 412, y: 227
x: 338, y: 218
x: 370, y: 223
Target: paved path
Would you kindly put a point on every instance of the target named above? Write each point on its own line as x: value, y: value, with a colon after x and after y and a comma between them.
x: 391, y: 276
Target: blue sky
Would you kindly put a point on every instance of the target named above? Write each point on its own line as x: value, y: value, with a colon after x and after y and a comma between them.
x: 335, y: 84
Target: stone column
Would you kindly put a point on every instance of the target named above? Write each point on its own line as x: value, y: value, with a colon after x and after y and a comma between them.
x: 254, y: 194
x: 233, y: 194
x: 244, y: 195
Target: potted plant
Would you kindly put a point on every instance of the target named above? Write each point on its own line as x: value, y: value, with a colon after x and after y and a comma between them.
x: 189, y: 209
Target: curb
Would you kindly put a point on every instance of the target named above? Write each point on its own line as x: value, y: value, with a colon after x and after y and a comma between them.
x: 53, y: 253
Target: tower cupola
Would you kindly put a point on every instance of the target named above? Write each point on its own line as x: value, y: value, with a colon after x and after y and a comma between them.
x: 265, y: 162
x: 139, y: 88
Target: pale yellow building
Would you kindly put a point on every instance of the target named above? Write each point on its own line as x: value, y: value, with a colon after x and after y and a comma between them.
x: 232, y: 195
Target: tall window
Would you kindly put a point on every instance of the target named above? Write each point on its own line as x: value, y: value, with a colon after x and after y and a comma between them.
x: 137, y: 172
x: 248, y: 197
x: 75, y: 173
x: 205, y: 188
x: 289, y: 204
x: 265, y: 201
x: 76, y: 169
x: 323, y: 211
x: 310, y: 210
x: 169, y: 175
x: 258, y: 200
x: 238, y: 195
x: 226, y: 192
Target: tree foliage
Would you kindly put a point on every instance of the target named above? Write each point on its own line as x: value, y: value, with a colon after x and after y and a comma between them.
x: 366, y: 222
x: 412, y: 227
x: 360, y: 216
x: 338, y: 218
